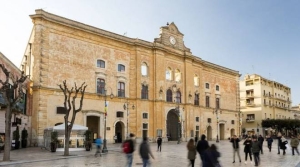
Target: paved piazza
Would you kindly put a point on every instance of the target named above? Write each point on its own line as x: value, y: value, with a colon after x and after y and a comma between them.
x: 173, y: 154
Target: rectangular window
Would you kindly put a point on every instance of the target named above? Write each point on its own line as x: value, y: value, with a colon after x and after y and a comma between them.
x: 100, y: 86
x: 121, y: 89
x: 120, y: 114
x: 197, y: 128
x: 145, y: 126
x: 218, y: 103
x: 208, y: 120
x: 145, y: 130
x: 159, y: 132
x: 217, y: 88
x: 60, y: 110
x: 145, y: 115
x: 121, y: 68
x: 100, y: 63
x: 197, y: 119
x: 144, y: 93
x: 207, y: 85
x: 232, y: 121
x: 196, y: 100
x: 207, y: 101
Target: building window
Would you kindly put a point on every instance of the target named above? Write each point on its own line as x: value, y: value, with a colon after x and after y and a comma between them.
x: 217, y: 102
x: 100, y: 86
x: 207, y: 85
x: 144, y: 92
x: 121, y: 89
x: 197, y: 119
x: 145, y: 115
x: 121, y: 68
x: 100, y: 63
x: 250, y: 117
x: 178, y: 97
x: 232, y: 121
x: 265, y: 101
x: 197, y: 128
x: 196, y: 80
x: 207, y: 101
x: 60, y: 110
x: 145, y: 130
x: 169, y: 96
x: 169, y: 74
x: 217, y: 88
x: 177, y: 76
x: 144, y: 69
x: 120, y: 114
x: 196, y: 100
x: 208, y: 120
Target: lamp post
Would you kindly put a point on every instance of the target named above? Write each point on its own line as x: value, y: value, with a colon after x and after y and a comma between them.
x: 104, y: 150
x: 125, y: 106
x: 177, y: 109
x: 257, y: 128
x: 217, y: 114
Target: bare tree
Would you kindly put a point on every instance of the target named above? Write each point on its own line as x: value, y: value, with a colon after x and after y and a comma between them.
x: 69, y: 105
x: 7, y: 88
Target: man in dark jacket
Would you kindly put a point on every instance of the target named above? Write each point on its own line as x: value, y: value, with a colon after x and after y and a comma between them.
x: 202, y: 145
x: 261, y: 141
x: 235, y: 144
x: 255, y: 150
x: 270, y: 141
x: 145, y: 152
x: 159, y: 141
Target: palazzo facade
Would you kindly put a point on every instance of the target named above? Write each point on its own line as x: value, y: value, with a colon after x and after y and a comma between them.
x: 159, y: 88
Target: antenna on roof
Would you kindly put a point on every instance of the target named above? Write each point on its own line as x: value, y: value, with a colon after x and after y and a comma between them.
x: 125, y: 34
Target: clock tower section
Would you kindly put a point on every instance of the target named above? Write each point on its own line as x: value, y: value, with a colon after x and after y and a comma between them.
x: 172, y: 37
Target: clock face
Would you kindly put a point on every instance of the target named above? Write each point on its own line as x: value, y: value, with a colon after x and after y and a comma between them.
x: 172, y: 40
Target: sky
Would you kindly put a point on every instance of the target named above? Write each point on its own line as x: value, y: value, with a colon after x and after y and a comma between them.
x: 249, y: 36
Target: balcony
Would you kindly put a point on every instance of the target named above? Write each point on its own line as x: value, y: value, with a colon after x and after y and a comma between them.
x: 250, y: 104
x: 250, y: 120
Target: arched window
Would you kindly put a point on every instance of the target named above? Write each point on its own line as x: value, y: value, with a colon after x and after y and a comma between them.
x: 144, y: 69
x: 169, y: 95
x: 207, y: 101
x: 177, y: 76
x: 169, y: 74
x: 121, y: 68
x: 121, y: 89
x: 101, y: 63
x: 217, y: 88
x: 217, y: 103
x: 196, y: 80
x: 100, y: 86
x: 196, y: 100
x: 178, y: 97
x: 144, y: 92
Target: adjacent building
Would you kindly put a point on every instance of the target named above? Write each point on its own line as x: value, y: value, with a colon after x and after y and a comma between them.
x: 262, y: 99
x: 134, y: 86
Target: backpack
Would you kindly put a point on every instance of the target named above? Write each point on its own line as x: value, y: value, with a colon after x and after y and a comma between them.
x: 126, y: 147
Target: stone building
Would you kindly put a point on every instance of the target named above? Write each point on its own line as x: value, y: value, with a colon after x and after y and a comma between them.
x: 262, y: 99
x: 159, y: 88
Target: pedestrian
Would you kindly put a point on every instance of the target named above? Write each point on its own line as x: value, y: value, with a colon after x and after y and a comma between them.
x: 261, y: 141
x: 116, y: 138
x: 255, y: 150
x: 145, y: 152
x: 235, y: 144
x: 128, y: 149
x: 202, y: 145
x: 283, y: 144
x: 279, y: 142
x: 269, y: 141
x: 294, y: 144
x: 159, y: 141
x: 191, y: 152
x: 211, y: 156
x: 98, y: 145
x: 247, y: 149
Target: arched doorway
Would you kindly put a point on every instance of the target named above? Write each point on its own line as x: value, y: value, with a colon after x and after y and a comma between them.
x: 209, y: 133
x: 93, y: 122
x: 222, y: 131
x: 119, y: 131
x: 232, y: 132
x: 173, y: 125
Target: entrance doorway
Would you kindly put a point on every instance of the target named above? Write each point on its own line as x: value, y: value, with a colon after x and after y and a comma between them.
x: 93, y: 123
x: 222, y: 131
x: 209, y: 133
x: 119, y: 131
x: 232, y: 132
x: 173, y: 125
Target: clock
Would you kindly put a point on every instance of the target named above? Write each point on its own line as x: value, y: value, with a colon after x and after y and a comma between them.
x: 172, y: 40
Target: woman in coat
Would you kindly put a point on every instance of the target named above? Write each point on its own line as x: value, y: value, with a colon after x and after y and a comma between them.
x: 247, y: 149
x: 283, y: 143
x: 191, y: 151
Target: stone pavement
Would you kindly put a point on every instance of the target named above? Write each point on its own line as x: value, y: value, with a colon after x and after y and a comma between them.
x: 172, y: 154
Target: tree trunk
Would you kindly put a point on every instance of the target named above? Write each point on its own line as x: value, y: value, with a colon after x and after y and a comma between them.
x: 7, y: 141
x: 67, y: 139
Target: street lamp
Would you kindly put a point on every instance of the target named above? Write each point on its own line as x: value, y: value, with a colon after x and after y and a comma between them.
x: 104, y: 150
x: 125, y: 106
x: 217, y: 114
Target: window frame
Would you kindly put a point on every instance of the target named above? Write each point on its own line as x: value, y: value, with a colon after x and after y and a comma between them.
x: 217, y: 88
x: 217, y: 102
x: 145, y: 115
x: 178, y: 97
x: 207, y: 101
x: 206, y: 85
x: 121, y: 68
x: 100, y: 86
x: 144, y: 92
x: 100, y: 62
x: 196, y: 99
x: 120, y: 114
x: 169, y: 95
x: 121, y: 89
x: 145, y: 67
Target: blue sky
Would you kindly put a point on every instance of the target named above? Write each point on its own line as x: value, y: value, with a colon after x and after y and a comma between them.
x: 250, y: 36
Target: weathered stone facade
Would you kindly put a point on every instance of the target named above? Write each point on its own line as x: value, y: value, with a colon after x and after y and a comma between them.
x: 62, y: 49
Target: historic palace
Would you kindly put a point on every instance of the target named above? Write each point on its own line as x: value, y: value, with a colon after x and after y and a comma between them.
x: 134, y: 86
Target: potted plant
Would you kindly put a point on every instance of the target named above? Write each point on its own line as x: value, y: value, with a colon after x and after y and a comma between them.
x: 24, y: 138
x: 54, y: 140
x: 16, y: 137
x: 88, y: 138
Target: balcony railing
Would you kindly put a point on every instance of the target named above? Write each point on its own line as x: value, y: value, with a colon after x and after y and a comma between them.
x: 250, y: 104
x: 250, y: 120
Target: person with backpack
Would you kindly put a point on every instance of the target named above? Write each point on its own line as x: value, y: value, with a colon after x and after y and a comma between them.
x: 128, y: 149
x: 98, y: 145
x: 159, y: 141
x: 145, y: 152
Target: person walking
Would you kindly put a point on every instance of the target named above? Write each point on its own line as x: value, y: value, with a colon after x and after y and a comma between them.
x: 202, y: 145
x: 261, y: 141
x: 98, y: 145
x: 211, y: 156
x: 159, y: 141
x: 116, y: 138
x: 269, y: 141
x: 255, y: 150
x: 294, y: 144
x: 247, y: 149
x: 145, y: 152
x: 283, y: 144
x: 128, y: 149
x: 235, y: 144
x: 279, y: 142
x: 191, y: 152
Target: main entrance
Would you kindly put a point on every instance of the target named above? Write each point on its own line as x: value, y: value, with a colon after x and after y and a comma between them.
x: 119, y: 132
x: 93, y: 122
x: 173, y: 125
